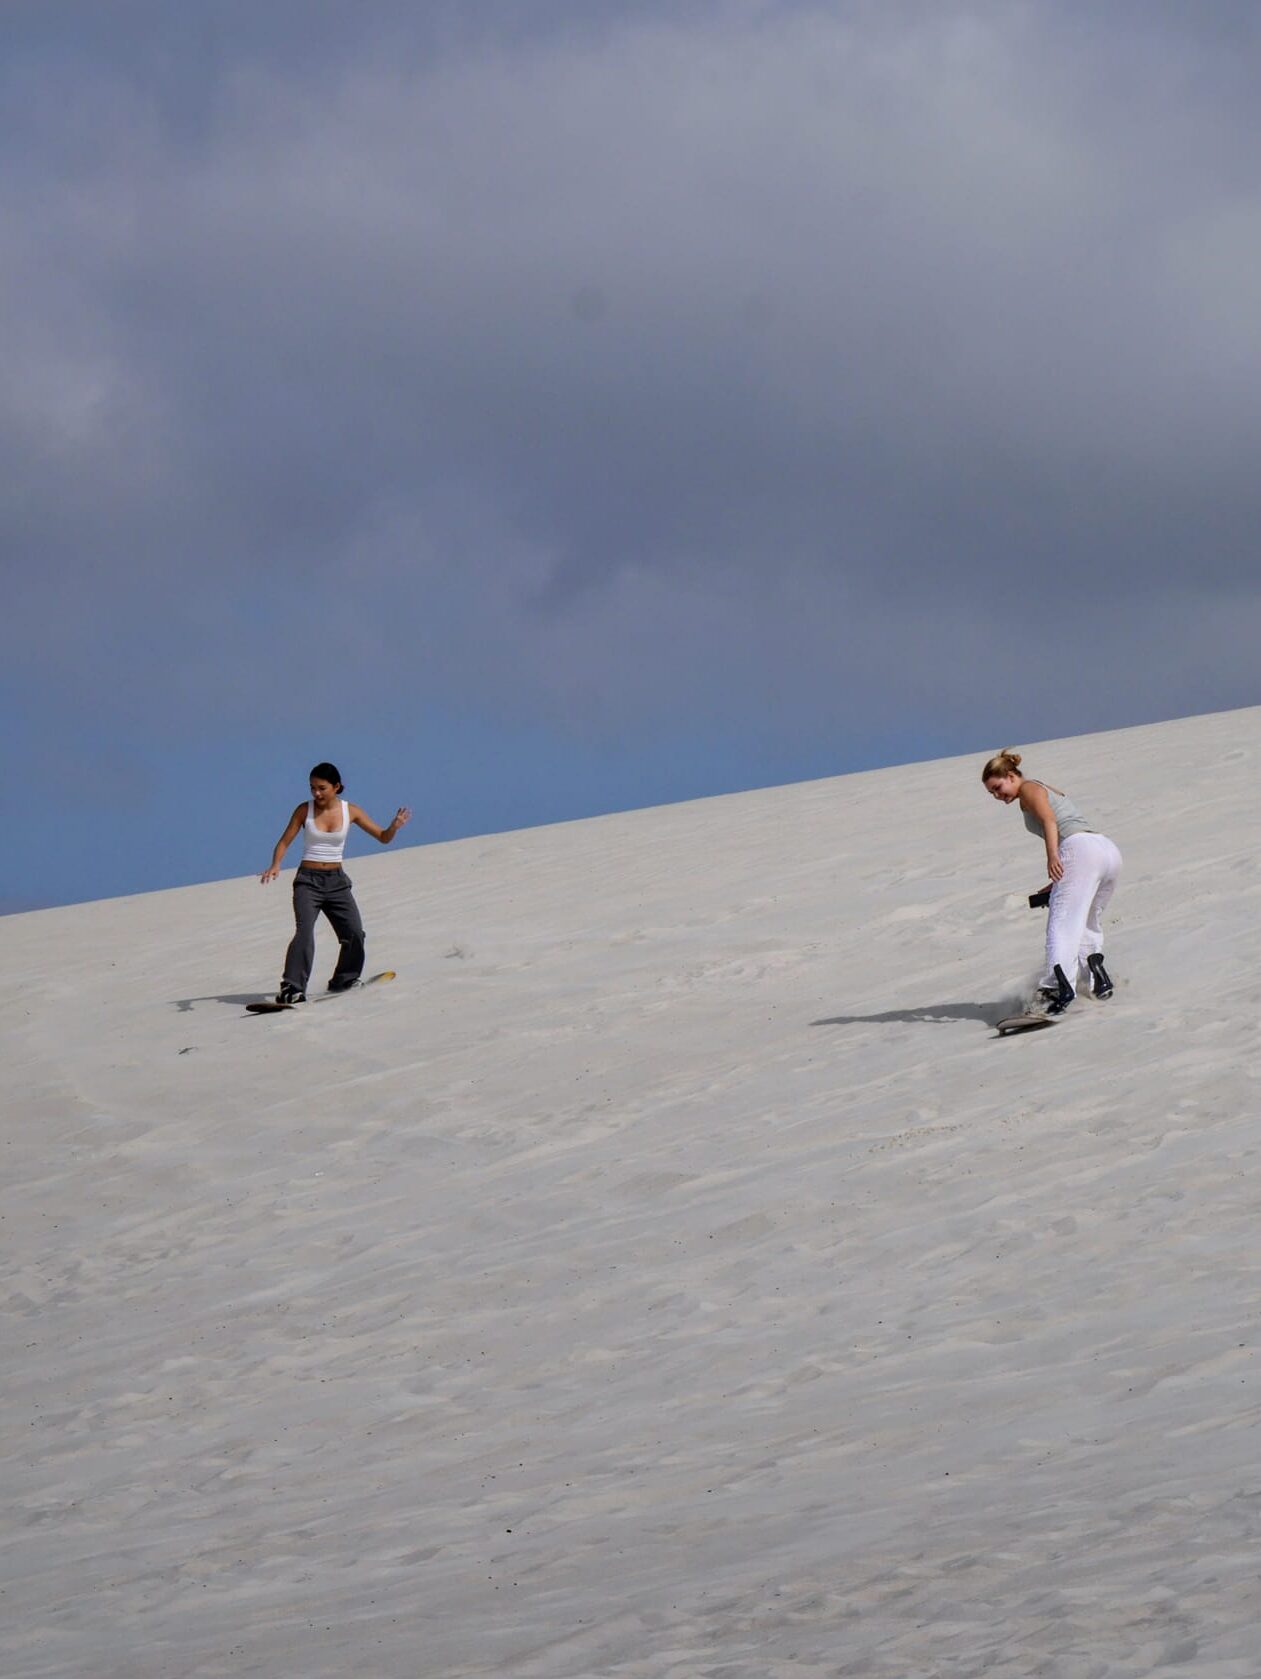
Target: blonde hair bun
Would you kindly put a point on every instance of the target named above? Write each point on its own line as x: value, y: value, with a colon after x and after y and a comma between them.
x: 1005, y: 762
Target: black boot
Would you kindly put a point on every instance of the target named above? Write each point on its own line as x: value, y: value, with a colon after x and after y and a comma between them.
x: 1059, y: 999
x: 1101, y: 985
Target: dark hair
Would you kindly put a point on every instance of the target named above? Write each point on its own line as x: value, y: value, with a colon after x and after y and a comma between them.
x: 327, y: 772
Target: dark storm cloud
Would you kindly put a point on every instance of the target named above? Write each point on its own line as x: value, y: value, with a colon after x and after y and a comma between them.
x: 754, y: 359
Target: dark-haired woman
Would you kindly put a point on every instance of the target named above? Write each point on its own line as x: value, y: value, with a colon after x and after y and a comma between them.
x: 1083, y: 866
x: 322, y: 885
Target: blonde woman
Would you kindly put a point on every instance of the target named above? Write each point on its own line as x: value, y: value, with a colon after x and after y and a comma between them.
x: 1083, y: 866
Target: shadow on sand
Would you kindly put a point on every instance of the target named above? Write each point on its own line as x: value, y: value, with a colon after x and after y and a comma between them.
x: 186, y: 1004
x: 931, y: 1014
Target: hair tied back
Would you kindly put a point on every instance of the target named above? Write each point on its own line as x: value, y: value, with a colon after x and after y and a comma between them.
x: 1006, y: 762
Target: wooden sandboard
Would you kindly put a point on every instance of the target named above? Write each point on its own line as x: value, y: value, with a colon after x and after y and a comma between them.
x: 1025, y: 1023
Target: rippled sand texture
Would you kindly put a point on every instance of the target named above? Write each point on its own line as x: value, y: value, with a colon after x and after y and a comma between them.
x: 670, y: 1276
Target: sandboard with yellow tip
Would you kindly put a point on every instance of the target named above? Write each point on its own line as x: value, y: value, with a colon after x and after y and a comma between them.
x: 273, y: 1007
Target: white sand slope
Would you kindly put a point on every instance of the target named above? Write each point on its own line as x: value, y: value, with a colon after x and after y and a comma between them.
x: 670, y: 1274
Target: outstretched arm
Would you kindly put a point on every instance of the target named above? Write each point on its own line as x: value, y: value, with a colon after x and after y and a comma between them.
x: 283, y: 843
x: 361, y: 819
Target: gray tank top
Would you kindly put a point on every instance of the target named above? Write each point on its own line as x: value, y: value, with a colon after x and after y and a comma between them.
x: 1068, y: 819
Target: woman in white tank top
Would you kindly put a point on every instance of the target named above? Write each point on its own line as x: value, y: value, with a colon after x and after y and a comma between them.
x: 321, y: 885
x: 1083, y: 866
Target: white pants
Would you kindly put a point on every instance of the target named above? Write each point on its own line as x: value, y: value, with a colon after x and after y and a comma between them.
x: 1074, y: 926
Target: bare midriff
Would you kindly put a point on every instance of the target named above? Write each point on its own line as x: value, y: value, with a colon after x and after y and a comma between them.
x: 305, y: 865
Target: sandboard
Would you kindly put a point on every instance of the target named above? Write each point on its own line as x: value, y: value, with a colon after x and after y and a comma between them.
x: 1025, y: 1023
x: 273, y: 1007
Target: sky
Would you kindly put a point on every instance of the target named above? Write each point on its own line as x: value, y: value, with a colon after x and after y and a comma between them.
x: 549, y: 409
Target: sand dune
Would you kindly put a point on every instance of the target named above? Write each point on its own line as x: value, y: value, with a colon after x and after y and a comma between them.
x: 669, y: 1276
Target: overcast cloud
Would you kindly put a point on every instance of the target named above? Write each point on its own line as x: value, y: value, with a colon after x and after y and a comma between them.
x: 634, y: 368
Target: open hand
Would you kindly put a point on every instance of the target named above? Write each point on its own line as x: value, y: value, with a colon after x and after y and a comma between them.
x: 269, y: 874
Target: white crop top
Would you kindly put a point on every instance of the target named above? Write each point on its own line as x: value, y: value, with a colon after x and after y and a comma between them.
x: 320, y: 847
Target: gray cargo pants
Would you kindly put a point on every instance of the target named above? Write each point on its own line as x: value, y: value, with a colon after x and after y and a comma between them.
x: 327, y: 890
